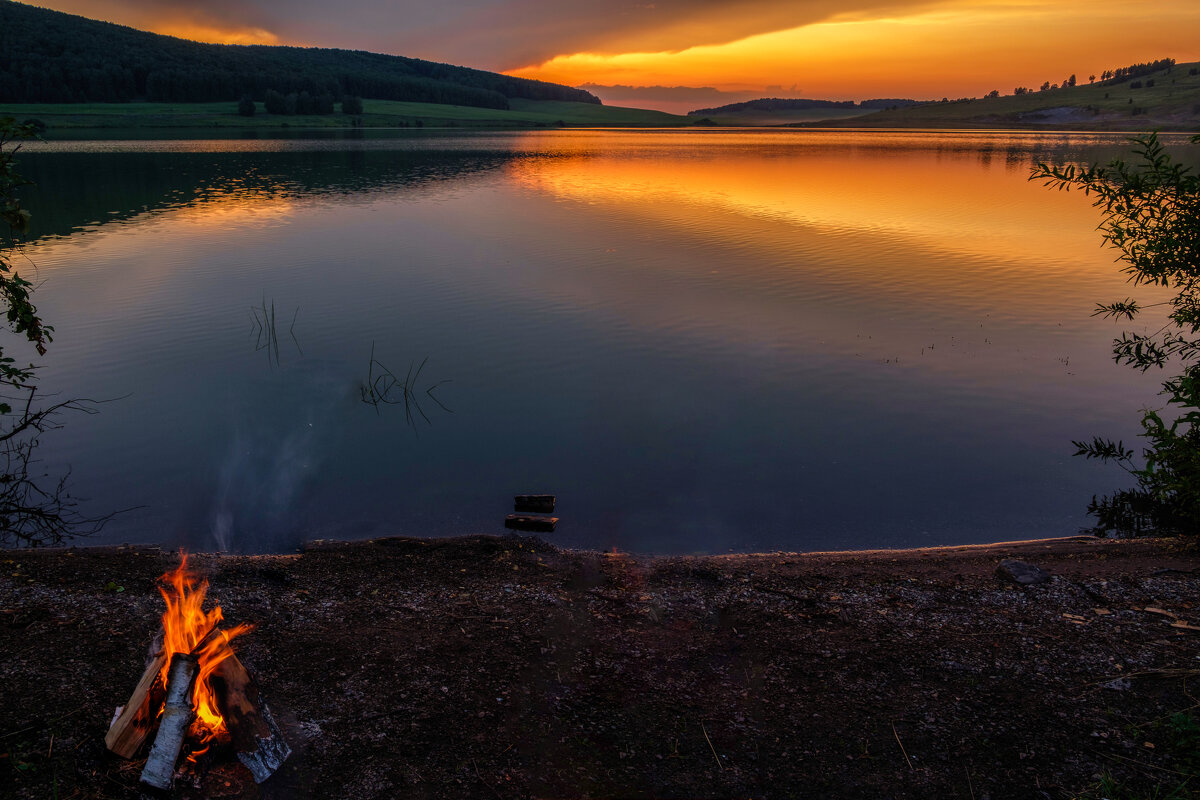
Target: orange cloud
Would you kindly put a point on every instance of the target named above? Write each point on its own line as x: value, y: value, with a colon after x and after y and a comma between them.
x: 962, y: 51
x: 215, y: 22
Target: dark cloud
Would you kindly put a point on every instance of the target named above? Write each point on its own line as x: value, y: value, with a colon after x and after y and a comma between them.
x: 493, y: 34
x: 150, y: 13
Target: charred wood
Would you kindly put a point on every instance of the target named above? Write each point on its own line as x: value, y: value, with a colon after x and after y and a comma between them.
x: 256, y: 738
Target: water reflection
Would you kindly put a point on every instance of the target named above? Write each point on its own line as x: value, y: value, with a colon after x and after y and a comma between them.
x: 866, y: 339
x: 218, y: 186
x: 863, y: 186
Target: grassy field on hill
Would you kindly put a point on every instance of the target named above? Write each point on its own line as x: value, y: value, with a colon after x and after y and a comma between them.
x: 376, y: 114
x: 1172, y: 103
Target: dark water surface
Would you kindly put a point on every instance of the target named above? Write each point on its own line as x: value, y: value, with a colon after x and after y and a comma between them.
x: 700, y: 341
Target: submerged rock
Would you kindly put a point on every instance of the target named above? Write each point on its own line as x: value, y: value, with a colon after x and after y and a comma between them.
x: 1021, y: 572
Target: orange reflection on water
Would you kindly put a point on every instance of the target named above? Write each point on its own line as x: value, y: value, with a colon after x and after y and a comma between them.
x: 227, y: 207
x: 947, y: 201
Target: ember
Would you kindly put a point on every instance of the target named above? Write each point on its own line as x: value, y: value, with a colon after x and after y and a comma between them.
x: 195, y: 692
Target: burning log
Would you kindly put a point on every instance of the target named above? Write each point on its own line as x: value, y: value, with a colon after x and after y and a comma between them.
x: 193, y: 674
x: 522, y: 522
x: 536, y: 503
x: 137, y: 718
x: 176, y: 717
x: 257, y: 740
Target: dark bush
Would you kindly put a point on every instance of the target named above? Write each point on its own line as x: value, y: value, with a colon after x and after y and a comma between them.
x: 275, y: 102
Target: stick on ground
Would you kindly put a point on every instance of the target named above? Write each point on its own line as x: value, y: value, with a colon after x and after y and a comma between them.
x: 902, y: 750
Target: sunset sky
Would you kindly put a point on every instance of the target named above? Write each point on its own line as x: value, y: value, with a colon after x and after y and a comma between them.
x: 678, y: 55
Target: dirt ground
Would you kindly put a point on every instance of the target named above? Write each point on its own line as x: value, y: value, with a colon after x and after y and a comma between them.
x: 506, y: 668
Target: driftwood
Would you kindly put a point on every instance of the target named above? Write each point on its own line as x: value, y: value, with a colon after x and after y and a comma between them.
x: 134, y: 722
x: 536, y: 503
x: 176, y: 717
x: 256, y: 738
x: 524, y: 522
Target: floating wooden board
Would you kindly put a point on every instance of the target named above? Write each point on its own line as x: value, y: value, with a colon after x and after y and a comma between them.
x: 536, y: 503
x: 523, y: 522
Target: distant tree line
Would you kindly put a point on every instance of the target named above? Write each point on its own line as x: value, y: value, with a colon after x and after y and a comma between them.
x: 888, y: 102
x: 1123, y: 74
x: 1110, y: 76
x: 299, y: 103
x: 774, y: 104
x: 50, y: 57
x: 799, y: 104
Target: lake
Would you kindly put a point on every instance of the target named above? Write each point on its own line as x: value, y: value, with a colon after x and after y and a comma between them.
x: 701, y: 341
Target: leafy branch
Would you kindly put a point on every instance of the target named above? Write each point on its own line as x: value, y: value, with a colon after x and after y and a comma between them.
x: 35, y: 504
x: 36, y: 507
x: 1151, y: 216
x: 15, y: 291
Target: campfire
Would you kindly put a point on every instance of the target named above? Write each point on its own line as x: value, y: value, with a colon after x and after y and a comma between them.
x: 195, y: 698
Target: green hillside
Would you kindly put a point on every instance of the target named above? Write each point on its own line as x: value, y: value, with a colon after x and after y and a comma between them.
x: 1168, y: 99
x: 62, y: 118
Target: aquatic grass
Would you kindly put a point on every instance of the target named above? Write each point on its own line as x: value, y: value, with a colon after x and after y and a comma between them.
x: 266, y: 335
x: 386, y: 388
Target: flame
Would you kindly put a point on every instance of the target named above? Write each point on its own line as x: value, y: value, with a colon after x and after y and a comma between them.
x: 186, y: 629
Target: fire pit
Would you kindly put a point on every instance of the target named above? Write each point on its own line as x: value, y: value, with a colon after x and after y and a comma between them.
x: 195, y: 698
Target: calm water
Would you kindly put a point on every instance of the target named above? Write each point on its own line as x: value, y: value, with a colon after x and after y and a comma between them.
x: 700, y: 341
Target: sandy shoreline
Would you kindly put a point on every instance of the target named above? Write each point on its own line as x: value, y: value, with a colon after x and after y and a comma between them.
x: 505, y: 667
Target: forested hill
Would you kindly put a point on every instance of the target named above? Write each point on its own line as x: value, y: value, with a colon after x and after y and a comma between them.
x: 52, y: 57
x: 797, y: 104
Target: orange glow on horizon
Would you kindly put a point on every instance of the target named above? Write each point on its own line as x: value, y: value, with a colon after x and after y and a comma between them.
x: 961, y: 51
x: 210, y: 34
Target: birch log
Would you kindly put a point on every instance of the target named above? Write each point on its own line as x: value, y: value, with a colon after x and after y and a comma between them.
x: 172, y: 727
